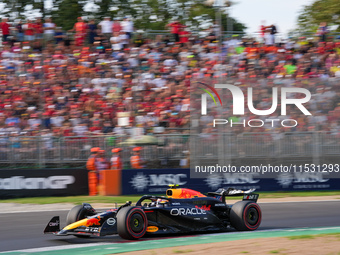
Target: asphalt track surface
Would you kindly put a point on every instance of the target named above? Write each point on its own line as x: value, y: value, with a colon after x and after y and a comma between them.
x: 25, y: 230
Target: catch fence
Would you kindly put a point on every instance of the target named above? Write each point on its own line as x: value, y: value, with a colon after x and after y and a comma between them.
x: 171, y: 150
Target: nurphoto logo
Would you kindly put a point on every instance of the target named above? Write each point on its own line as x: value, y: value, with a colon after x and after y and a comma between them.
x: 239, y: 103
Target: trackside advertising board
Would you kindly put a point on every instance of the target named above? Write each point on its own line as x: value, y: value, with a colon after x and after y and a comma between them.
x: 70, y: 182
x: 43, y: 182
x: 156, y: 181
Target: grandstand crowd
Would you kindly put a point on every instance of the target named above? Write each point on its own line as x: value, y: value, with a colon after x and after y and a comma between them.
x: 104, y: 78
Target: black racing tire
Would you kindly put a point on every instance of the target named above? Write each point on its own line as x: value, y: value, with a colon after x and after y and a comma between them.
x: 76, y: 213
x: 131, y: 222
x: 245, y: 216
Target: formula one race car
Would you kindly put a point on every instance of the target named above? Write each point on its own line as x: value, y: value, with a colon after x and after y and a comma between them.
x: 181, y: 211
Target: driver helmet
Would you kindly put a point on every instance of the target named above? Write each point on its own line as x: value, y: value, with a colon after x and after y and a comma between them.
x: 161, y: 201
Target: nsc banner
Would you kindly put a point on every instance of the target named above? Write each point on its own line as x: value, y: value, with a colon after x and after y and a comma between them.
x: 157, y: 181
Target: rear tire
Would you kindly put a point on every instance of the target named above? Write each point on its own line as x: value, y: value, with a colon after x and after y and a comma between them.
x: 131, y: 223
x: 245, y: 216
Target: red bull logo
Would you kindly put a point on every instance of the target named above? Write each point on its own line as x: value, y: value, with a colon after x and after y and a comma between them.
x: 188, y: 193
x: 183, y: 193
x: 93, y: 221
x: 84, y: 222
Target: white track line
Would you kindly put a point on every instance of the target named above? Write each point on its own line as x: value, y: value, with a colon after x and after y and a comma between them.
x: 60, y: 247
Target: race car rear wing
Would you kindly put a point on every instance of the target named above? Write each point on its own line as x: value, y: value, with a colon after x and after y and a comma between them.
x: 247, y: 194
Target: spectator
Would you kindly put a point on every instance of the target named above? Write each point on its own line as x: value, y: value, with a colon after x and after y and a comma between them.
x: 29, y: 30
x: 80, y: 29
x: 127, y: 26
x: 290, y: 68
x: 93, y: 31
x: 5, y: 29
x: 80, y: 129
x: 34, y: 122
x: 263, y: 31
x: 106, y: 26
x: 108, y: 128
x: 139, y: 41
x: 59, y: 35
x: 124, y: 39
x: 322, y: 31
x: 175, y: 27
x: 19, y: 31
x: 183, y: 35
x: 57, y: 119
x: 116, y: 41
x: 80, y: 91
x: 12, y: 121
x: 271, y: 30
x: 49, y: 30
x: 39, y: 30
x: 116, y: 26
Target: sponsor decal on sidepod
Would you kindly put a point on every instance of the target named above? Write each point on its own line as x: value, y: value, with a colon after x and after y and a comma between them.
x: 187, y: 211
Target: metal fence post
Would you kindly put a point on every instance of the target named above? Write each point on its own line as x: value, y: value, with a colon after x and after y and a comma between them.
x: 62, y: 145
x: 316, y: 148
x: 11, y: 154
x: 41, y: 160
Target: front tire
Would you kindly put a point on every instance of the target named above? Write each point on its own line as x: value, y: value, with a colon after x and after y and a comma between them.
x: 245, y: 216
x: 76, y: 213
x: 131, y: 223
